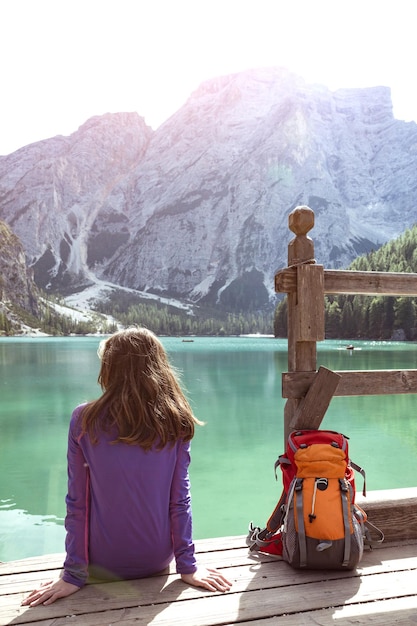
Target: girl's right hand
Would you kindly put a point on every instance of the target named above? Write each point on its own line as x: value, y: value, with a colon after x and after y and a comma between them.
x: 209, y: 578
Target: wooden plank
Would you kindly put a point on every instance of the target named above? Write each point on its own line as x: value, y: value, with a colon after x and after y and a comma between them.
x: 295, y: 385
x: 38, y: 563
x: 395, y: 612
x: 313, y: 407
x: 370, y: 283
x: 351, y: 282
x: 310, y: 308
x: 393, y: 511
x: 217, y: 545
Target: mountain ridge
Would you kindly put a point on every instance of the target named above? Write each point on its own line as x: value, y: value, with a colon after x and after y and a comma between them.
x: 198, y: 209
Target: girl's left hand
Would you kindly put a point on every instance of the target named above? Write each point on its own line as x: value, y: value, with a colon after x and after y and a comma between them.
x: 209, y: 578
x: 49, y: 592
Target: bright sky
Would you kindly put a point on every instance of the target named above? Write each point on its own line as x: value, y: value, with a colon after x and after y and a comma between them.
x: 63, y: 61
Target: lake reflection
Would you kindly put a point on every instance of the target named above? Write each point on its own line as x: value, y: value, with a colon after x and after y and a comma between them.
x: 234, y: 385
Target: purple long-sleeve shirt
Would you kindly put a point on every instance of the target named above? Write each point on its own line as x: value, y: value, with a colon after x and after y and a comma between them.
x: 128, y: 510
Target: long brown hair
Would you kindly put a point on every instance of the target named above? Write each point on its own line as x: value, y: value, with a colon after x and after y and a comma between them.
x: 142, y: 398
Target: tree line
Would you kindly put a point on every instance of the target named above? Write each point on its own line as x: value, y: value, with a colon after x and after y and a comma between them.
x: 164, y: 319
x: 370, y: 317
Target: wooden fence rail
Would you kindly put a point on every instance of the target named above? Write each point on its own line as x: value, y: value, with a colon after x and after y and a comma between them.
x: 307, y: 390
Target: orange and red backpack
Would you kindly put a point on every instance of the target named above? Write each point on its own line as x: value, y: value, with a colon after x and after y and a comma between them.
x: 316, y: 523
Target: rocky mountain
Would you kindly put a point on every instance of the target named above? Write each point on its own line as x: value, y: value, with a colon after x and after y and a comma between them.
x: 51, y: 191
x: 18, y: 293
x: 198, y: 210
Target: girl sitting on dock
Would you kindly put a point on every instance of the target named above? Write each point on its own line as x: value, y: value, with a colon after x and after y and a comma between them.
x: 128, y: 501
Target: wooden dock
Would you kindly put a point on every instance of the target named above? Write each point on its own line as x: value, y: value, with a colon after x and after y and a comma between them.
x: 266, y: 591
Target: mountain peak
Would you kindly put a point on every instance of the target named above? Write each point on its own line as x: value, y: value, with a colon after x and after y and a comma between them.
x: 198, y: 209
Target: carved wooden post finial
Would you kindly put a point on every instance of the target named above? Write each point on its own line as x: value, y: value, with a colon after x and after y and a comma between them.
x: 301, y: 220
x: 301, y: 248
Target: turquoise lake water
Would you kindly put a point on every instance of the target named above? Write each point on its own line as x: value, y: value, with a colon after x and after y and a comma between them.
x: 234, y: 385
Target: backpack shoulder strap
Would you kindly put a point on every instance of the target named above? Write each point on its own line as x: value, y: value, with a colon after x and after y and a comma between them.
x: 302, y: 544
x: 258, y: 538
x: 361, y: 471
x: 344, y: 490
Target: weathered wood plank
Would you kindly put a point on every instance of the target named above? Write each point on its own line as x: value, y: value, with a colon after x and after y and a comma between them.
x: 310, y: 309
x: 393, y: 511
x: 311, y: 410
x: 295, y: 385
x: 351, y: 282
x: 396, y: 612
x: 50, y: 561
x: 217, y: 545
x: 370, y: 283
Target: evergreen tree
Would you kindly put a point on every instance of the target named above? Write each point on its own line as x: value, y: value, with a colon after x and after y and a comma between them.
x: 405, y: 316
x: 280, y: 319
x: 332, y: 320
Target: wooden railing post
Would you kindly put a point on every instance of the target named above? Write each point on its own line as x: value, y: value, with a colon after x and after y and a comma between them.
x: 305, y: 304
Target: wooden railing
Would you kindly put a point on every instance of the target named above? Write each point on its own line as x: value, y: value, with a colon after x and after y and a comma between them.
x: 307, y: 390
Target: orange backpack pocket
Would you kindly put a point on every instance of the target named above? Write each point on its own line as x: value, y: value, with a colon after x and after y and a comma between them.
x: 321, y: 467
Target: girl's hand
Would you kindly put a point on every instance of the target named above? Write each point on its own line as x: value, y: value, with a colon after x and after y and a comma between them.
x: 49, y: 592
x: 208, y: 578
